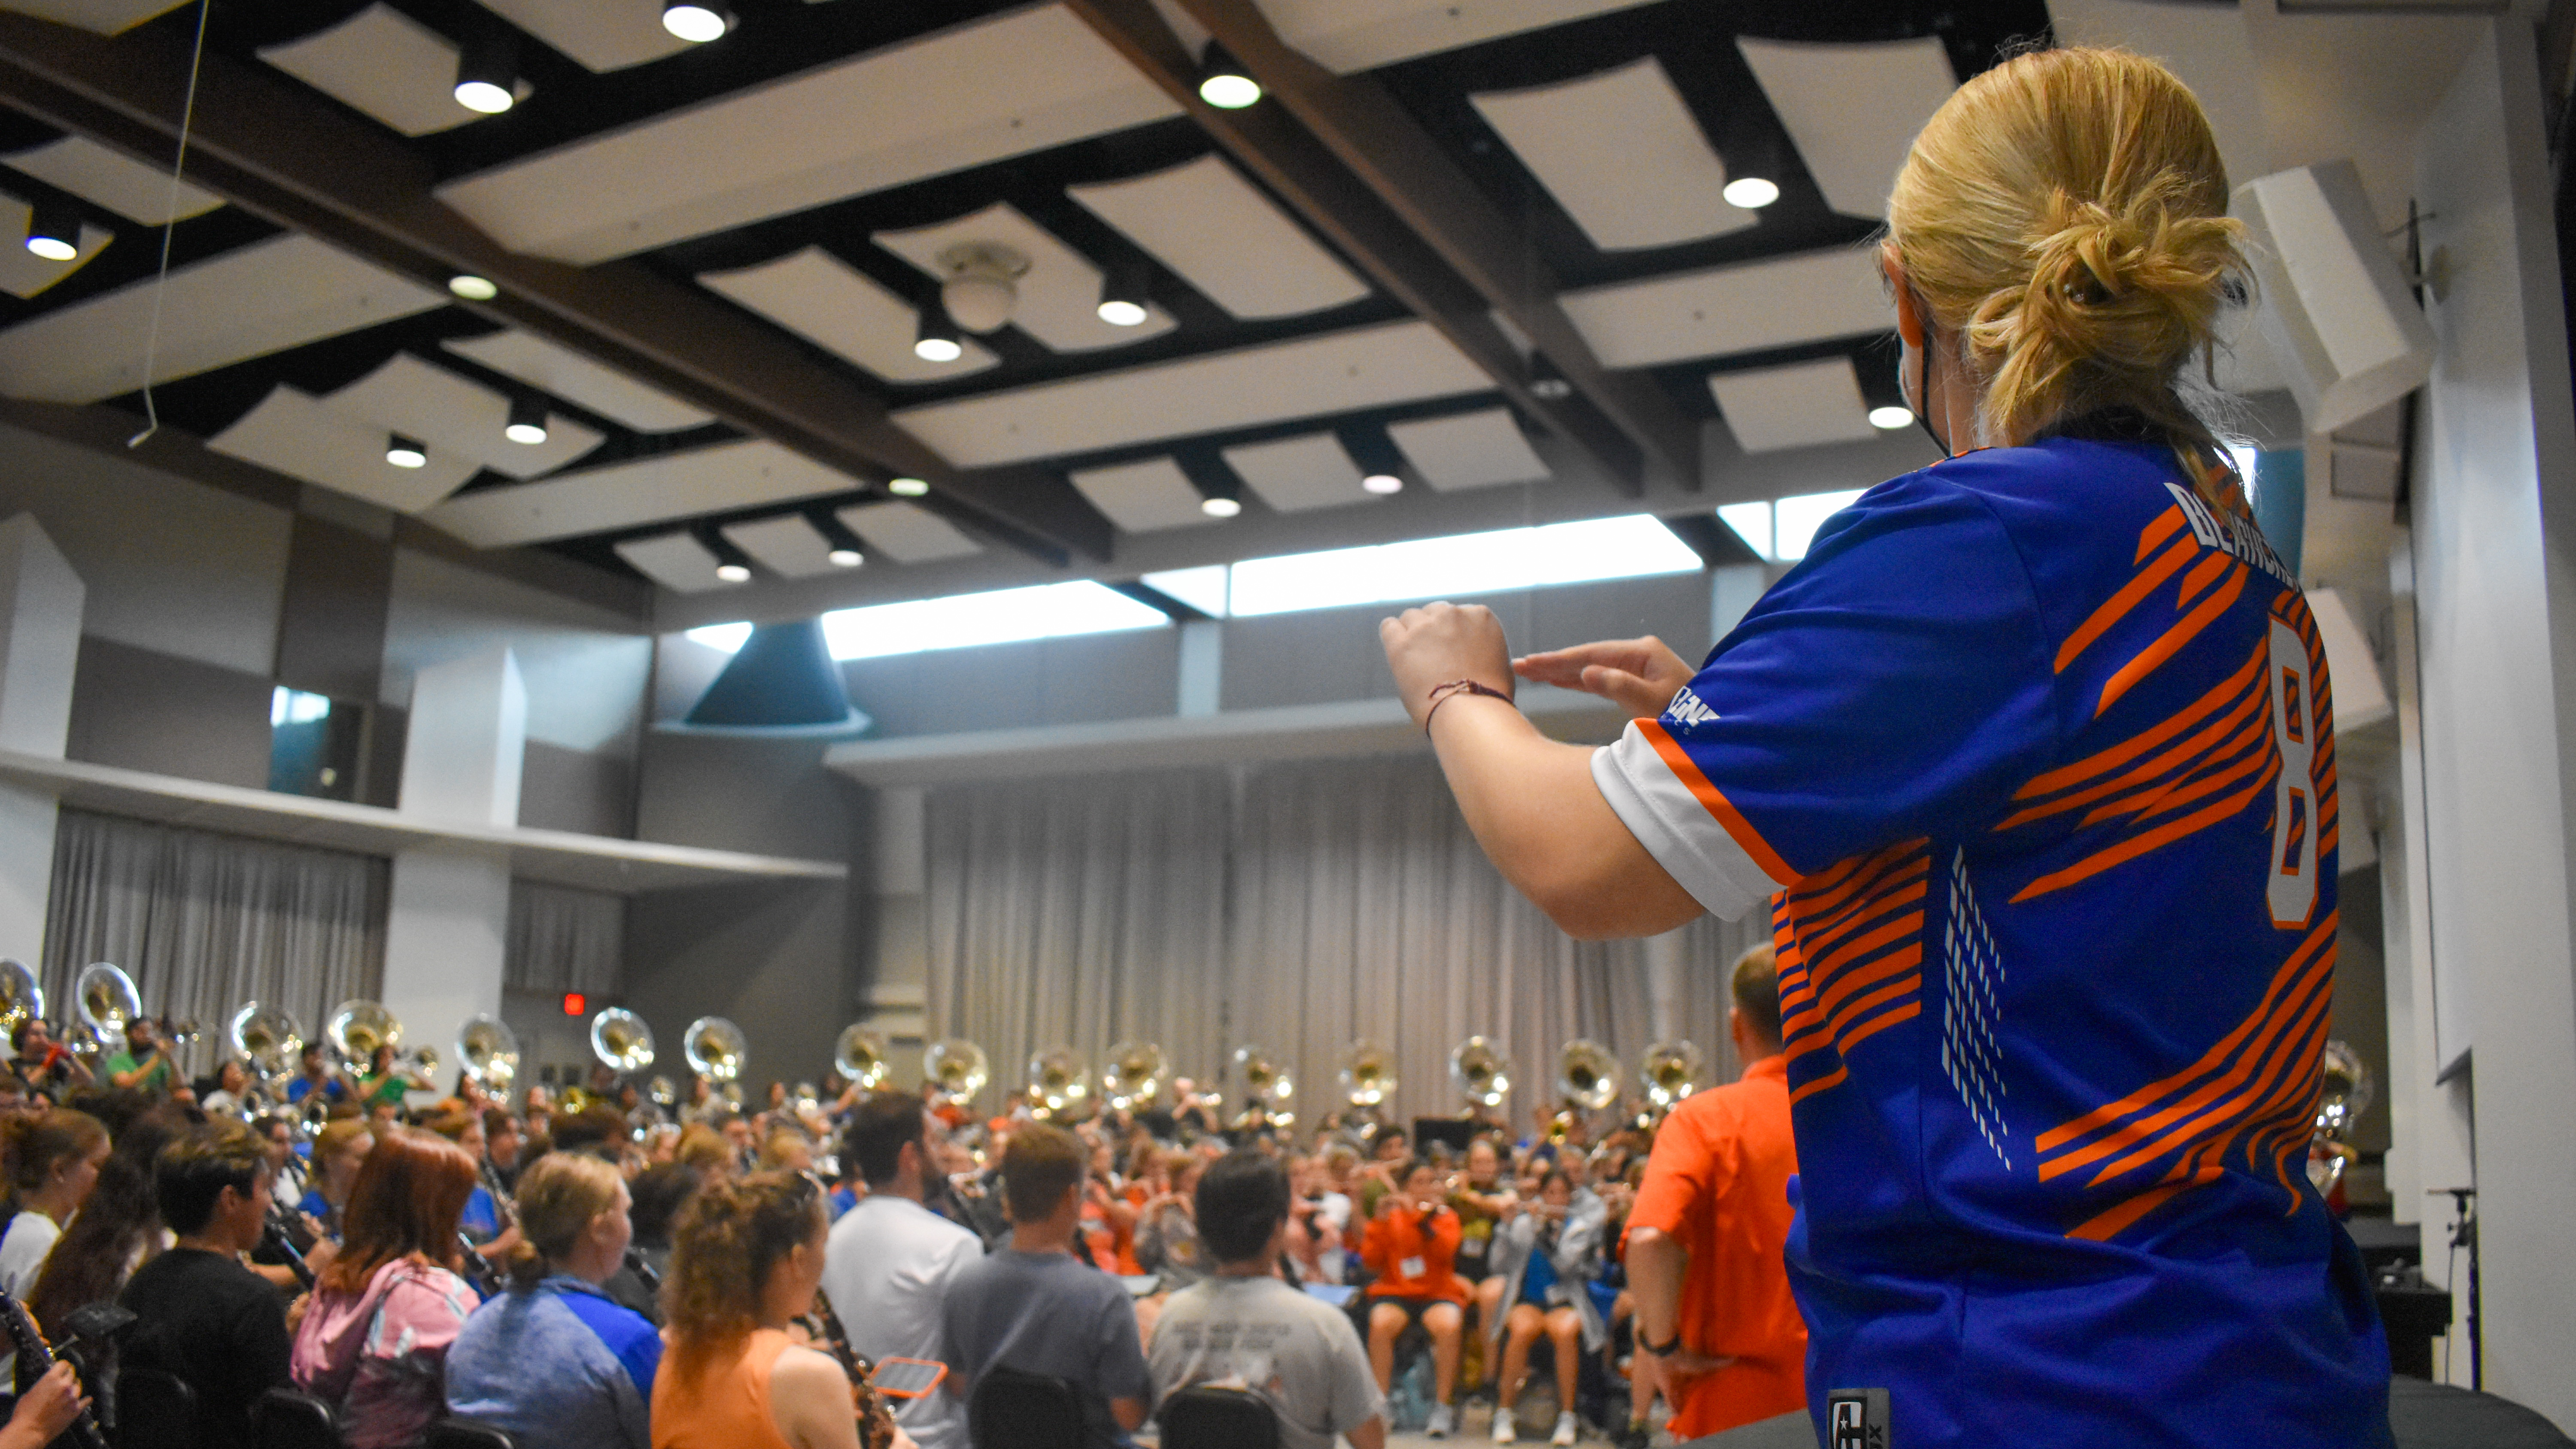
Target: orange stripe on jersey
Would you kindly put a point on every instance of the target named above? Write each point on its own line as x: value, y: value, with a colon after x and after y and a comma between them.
x: 2188, y: 628
x: 2285, y: 982
x: 2231, y: 1101
x: 2157, y: 532
x: 2247, y: 678
x: 2200, y: 578
x: 1730, y: 819
x: 1829, y: 1080
x: 2131, y: 594
x: 1907, y: 1012
x: 2248, y: 705
x: 2103, y: 1225
x: 2138, y: 845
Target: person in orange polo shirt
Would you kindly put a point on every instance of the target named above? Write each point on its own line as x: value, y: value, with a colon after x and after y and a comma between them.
x: 1715, y: 1323
x: 1412, y: 1246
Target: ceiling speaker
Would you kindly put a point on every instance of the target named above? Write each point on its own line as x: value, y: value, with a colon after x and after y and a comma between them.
x: 2335, y: 307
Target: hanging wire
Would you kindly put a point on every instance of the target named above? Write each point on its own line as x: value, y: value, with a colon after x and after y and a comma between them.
x: 169, y: 226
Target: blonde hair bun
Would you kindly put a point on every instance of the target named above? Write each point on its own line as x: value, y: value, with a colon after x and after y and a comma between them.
x: 2064, y: 214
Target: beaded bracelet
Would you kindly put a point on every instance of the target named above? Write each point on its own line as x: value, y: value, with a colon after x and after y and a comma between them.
x: 1442, y: 693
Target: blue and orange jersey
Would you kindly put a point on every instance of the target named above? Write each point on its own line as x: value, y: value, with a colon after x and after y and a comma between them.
x: 2033, y: 760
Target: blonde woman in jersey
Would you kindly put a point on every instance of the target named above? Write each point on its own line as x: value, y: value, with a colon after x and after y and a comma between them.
x: 2032, y: 762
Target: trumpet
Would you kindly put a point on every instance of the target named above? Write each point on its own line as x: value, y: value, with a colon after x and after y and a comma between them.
x: 1481, y: 1071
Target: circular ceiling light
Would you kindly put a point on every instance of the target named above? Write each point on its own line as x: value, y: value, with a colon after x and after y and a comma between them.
x: 907, y: 488
x: 733, y: 573
x: 405, y: 452
x: 473, y: 288
x: 938, y: 349
x: 845, y: 558
x: 1751, y: 192
x: 1382, y: 484
x: 1224, y: 83
x: 1890, y: 417
x: 53, y: 231
x: 489, y: 97
x: 1118, y: 312
x: 934, y: 337
x: 695, y: 20
x: 527, y: 425
x: 1220, y: 507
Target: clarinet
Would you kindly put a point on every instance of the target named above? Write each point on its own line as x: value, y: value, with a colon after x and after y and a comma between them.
x: 643, y: 1271
x: 478, y: 1270
x: 876, y: 1419
x: 279, y: 1240
x: 34, y: 1352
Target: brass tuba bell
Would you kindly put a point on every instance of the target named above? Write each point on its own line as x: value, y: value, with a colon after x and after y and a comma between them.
x: 715, y: 1048
x: 268, y: 1037
x: 1368, y: 1074
x: 22, y: 996
x: 108, y: 1001
x: 1669, y: 1072
x: 1481, y: 1071
x: 1134, y: 1075
x: 488, y: 1051
x: 1059, y: 1082
x: 958, y: 1068
x: 357, y: 1028
x: 860, y: 1057
x: 621, y: 1040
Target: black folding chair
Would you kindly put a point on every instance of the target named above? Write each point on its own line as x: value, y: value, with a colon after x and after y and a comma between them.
x: 286, y: 1419
x: 1204, y: 1416
x: 467, y: 1434
x: 155, y: 1410
x: 1014, y: 1410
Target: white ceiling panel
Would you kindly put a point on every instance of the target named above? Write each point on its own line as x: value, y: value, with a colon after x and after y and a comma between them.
x: 22, y: 272
x: 1362, y: 367
x: 1219, y: 234
x: 1797, y: 406
x: 601, y: 34
x: 1472, y: 450
x: 302, y: 437
x: 742, y: 474
x: 114, y: 180
x: 906, y: 532
x: 254, y: 300
x: 1060, y: 294
x: 676, y: 561
x: 384, y: 63
x: 410, y: 396
x: 1293, y: 475
x: 1351, y: 35
x: 789, y: 546
x: 107, y: 17
x: 1143, y: 497
x: 1779, y: 303
x: 1667, y: 184
x: 1039, y: 78
x: 575, y: 378
x: 841, y: 309
x: 1853, y: 109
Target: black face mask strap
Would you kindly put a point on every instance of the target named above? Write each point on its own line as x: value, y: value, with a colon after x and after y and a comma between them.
x: 1923, y: 387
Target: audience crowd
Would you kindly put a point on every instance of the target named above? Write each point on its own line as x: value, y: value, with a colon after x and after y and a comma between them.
x: 604, y: 1273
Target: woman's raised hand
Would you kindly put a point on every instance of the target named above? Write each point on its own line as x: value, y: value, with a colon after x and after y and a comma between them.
x: 1639, y: 675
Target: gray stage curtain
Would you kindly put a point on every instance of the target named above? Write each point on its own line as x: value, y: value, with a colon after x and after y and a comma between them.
x: 564, y: 939
x: 1299, y: 906
x: 205, y: 922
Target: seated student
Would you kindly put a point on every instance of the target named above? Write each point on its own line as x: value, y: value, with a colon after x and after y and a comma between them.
x: 51, y: 1163
x: 338, y: 1152
x: 551, y: 1360
x: 315, y: 1075
x: 746, y: 1261
x: 200, y: 1316
x: 1033, y: 1307
x: 890, y: 1259
x: 1411, y: 1245
x: 373, y: 1343
x: 1244, y: 1327
x: 47, y: 1066
x: 1546, y: 1259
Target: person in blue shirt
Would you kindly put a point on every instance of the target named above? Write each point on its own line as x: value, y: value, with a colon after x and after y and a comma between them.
x: 551, y: 1360
x: 2031, y: 760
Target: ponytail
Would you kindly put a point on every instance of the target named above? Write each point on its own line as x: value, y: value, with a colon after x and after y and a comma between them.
x: 730, y: 1235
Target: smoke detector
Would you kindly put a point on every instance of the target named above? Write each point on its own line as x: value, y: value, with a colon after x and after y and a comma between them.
x: 981, y: 285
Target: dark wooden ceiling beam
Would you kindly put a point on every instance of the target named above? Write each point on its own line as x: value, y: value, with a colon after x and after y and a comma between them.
x: 295, y: 161
x: 1344, y: 153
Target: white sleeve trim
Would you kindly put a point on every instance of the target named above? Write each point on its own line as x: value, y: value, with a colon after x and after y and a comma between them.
x: 1676, y: 829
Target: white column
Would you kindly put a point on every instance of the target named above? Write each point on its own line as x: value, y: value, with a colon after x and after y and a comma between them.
x: 1733, y: 590
x: 1202, y: 673
x: 40, y: 623
x: 450, y: 914
x: 1664, y: 989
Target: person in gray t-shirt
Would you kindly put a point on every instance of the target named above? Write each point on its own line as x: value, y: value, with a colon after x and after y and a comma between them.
x: 1244, y: 1327
x: 1031, y: 1306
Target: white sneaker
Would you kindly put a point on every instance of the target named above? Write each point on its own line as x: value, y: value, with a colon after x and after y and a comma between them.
x: 1566, y: 1429
x: 1505, y: 1429
x: 1444, y: 1422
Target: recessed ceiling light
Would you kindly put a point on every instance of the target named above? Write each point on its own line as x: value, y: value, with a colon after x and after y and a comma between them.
x: 405, y: 452
x: 1382, y: 484
x: 527, y: 423
x: 907, y: 487
x: 1220, y: 507
x: 1121, y: 313
x: 845, y: 558
x: 1890, y: 417
x: 473, y: 288
x: 1751, y: 192
x: 934, y: 337
x: 695, y: 20
x: 487, y: 74
x: 733, y: 573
